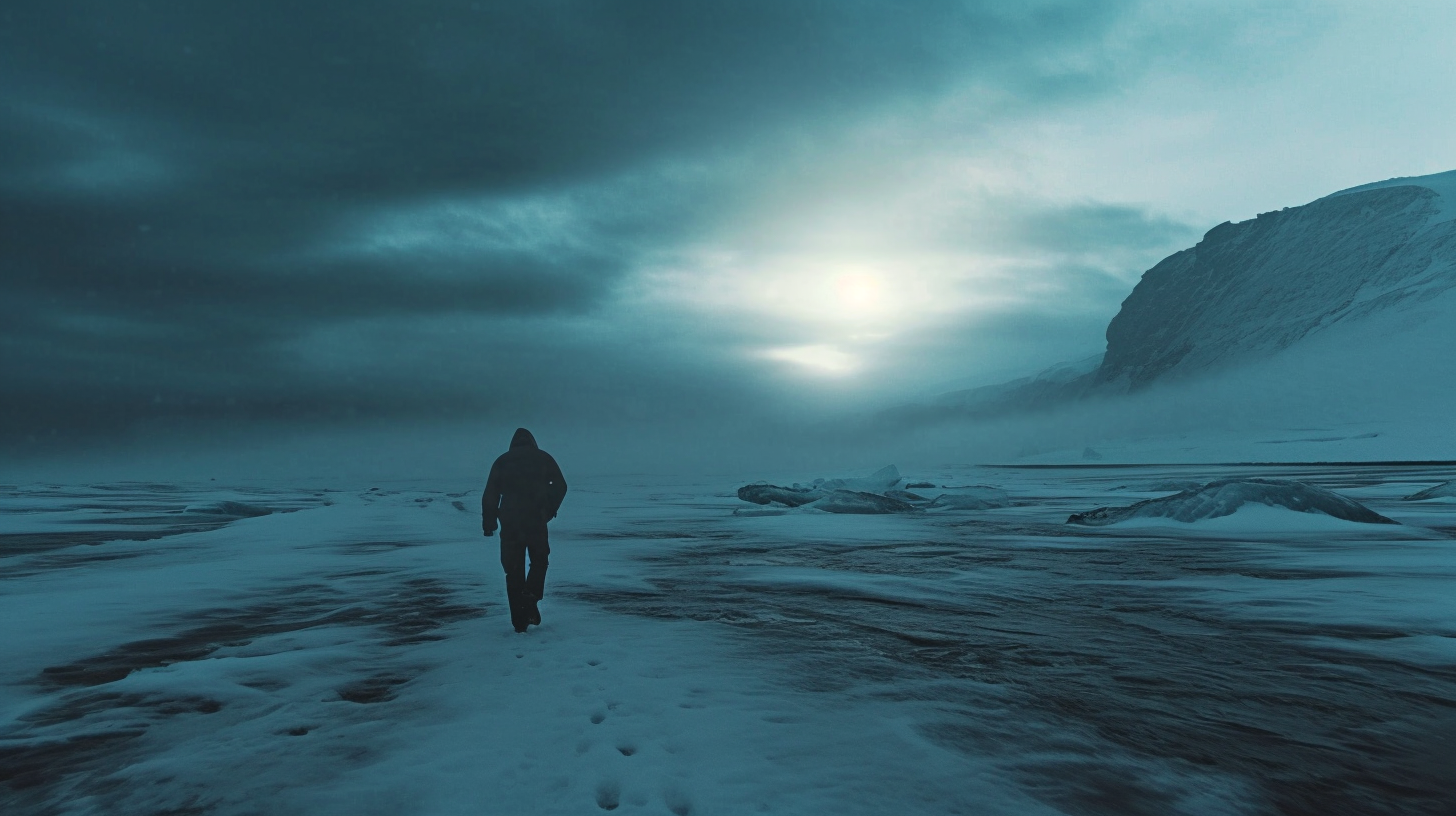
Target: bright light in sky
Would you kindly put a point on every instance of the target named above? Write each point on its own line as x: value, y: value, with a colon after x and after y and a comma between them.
x: 859, y: 293
x: 818, y: 359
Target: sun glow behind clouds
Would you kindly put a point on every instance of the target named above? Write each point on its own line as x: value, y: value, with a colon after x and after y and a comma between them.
x: 818, y: 359
x: 813, y: 314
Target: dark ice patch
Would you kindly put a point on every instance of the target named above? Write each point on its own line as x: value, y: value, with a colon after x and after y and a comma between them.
x: 13, y: 544
x: 377, y: 689
x: 227, y: 509
x: 407, y: 614
x: 43, y: 763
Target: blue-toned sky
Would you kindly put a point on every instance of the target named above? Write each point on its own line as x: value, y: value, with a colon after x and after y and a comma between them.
x: 217, y: 217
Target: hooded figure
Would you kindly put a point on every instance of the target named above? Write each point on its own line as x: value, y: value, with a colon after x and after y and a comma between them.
x: 523, y: 492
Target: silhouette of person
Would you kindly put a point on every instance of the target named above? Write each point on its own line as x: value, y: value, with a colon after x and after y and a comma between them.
x: 523, y: 492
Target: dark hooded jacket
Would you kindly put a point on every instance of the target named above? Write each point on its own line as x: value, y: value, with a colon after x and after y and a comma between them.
x: 525, y: 486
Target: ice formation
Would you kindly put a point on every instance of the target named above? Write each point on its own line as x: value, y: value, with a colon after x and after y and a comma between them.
x: 877, y: 493
x: 852, y: 501
x: 1225, y: 497
x: 774, y: 494
x: 799, y: 495
x: 1440, y: 491
x: 882, y: 479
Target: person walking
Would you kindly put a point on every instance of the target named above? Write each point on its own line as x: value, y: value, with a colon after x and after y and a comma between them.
x: 523, y: 492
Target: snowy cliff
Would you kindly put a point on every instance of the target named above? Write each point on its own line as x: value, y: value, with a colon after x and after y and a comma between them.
x: 1251, y: 289
x: 1316, y: 333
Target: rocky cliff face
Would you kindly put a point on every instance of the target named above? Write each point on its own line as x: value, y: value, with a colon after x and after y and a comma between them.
x: 1250, y: 289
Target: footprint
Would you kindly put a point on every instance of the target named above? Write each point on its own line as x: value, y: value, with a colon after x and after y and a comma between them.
x: 609, y: 796
x: 677, y: 802
x: 627, y: 749
x: 594, y: 662
x: 583, y: 746
x: 597, y: 718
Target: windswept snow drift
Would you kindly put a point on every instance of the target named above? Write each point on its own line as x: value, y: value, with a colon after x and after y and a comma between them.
x: 1224, y: 498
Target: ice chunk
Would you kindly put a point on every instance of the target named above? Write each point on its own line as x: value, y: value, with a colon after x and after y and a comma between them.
x: 773, y: 494
x: 906, y: 496
x: 1225, y: 497
x: 850, y: 501
x: 974, y: 497
x: 801, y: 494
x: 1440, y: 491
x: 882, y: 479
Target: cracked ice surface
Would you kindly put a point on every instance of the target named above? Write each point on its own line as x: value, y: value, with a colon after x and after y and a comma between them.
x: 349, y: 653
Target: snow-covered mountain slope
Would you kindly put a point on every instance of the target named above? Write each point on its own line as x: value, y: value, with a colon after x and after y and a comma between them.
x: 1251, y: 289
x: 1317, y: 333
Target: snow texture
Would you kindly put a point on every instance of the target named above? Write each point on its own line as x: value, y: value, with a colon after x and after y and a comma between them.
x: 353, y: 656
x: 1224, y: 498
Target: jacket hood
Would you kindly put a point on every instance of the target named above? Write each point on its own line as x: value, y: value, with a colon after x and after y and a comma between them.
x: 523, y: 439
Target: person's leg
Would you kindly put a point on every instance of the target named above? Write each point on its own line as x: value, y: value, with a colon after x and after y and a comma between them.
x: 513, y: 560
x: 535, y: 588
x: 540, y: 549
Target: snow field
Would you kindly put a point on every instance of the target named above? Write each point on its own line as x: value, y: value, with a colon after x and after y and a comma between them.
x: 355, y: 658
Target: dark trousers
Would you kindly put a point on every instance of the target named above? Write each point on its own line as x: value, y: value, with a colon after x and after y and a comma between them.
x: 523, y: 589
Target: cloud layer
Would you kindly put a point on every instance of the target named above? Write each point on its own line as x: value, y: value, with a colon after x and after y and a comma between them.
x: 274, y: 212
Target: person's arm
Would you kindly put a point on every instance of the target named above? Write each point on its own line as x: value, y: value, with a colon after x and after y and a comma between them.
x: 556, y: 489
x: 490, y: 503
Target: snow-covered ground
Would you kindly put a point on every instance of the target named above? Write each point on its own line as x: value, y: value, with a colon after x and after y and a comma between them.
x: 350, y: 652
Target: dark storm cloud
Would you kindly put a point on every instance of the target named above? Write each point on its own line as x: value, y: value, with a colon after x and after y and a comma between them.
x: 186, y: 188
x: 1078, y: 229
x: 1093, y: 227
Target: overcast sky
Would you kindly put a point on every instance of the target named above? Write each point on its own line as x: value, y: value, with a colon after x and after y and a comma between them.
x: 592, y: 214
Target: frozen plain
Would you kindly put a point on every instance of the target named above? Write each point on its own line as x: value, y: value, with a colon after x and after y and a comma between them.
x: 349, y: 653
